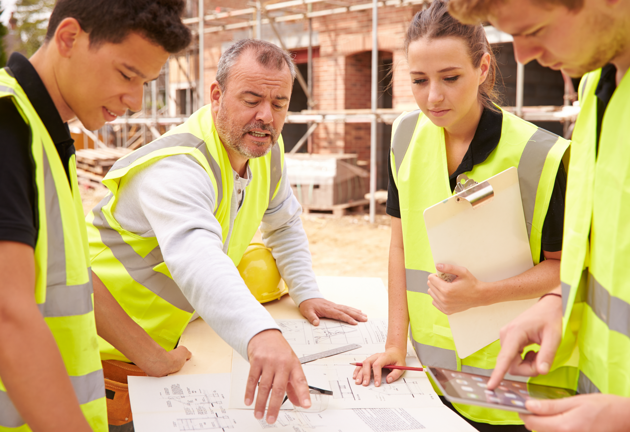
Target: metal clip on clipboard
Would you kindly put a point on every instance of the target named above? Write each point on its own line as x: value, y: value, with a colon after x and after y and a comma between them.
x: 473, y: 192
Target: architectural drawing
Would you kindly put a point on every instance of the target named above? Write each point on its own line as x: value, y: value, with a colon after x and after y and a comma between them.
x: 329, y: 332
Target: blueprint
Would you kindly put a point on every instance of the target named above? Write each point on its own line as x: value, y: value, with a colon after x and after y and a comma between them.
x: 412, y: 390
x: 330, y: 332
x: 181, y: 403
x: 198, y: 403
x: 306, y: 339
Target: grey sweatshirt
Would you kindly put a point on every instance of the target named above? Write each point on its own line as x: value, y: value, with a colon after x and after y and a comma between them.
x: 173, y: 200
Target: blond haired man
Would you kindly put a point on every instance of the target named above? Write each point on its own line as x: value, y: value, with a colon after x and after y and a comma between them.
x: 580, y: 37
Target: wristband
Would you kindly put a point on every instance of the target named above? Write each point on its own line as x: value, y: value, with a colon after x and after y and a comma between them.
x: 549, y: 294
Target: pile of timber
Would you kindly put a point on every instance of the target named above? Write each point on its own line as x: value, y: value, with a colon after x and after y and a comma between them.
x: 93, y: 164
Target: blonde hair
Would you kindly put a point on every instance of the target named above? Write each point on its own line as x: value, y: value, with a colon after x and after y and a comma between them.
x: 478, y: 11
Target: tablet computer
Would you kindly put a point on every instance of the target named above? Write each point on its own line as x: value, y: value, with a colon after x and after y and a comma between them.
x: 472, y: 389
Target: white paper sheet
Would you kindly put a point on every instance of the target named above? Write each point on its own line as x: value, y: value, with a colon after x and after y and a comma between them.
x: 306, y: 339
x: 331, y: 333
x: 412, y: 390
x: 197, y: 403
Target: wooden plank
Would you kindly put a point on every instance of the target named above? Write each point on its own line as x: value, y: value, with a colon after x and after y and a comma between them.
x: 88, y: 175
x: 337, y: 209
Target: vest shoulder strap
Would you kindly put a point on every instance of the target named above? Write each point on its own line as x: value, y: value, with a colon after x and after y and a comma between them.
x: 186, y: 139
x: 404, y: 128
x: 588, y: 84
x: 275, y: 169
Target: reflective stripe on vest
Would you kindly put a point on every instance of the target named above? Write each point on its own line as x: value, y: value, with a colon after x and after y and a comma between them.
x: 139, y: 268
x: 613, y: 311
x: 276, y: 171
x: 598, y: 238
x: 530, y: 168
x: 132, y: 267
x: 421, y: 174
x: 61, y: 299
x: 63, y: 287
x: 88, y: 388
x: 175, y: 140
x: 585, y: 385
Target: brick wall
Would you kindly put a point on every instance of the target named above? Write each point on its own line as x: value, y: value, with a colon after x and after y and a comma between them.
x: 342, y: 73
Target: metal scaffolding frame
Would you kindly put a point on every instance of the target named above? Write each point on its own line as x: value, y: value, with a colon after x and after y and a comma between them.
x: 256, y: 17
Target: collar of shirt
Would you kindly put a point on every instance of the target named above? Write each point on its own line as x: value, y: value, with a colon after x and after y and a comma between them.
x: 28, y: 78
x: 240, y: 183
x: 607, y: 84
x: 486, y: 139
x: 243, y: 182
x: 605, y: 88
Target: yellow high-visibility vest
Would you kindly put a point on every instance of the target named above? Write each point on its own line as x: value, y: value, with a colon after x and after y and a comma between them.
x: 596, y: 248
x: 63, y: 283
x: 132, y: 266
x: 419, y: 165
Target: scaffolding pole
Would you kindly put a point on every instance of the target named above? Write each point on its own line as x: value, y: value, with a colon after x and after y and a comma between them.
x: 201, y: 91
x: 520, y: 84
x: 374, y: 107
x: 258, y: 20
x: 309, y: 62
x: 309, y: 75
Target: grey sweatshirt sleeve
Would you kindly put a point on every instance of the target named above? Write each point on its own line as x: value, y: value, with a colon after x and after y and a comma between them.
x: 282, y: 231
x: 173, y: 199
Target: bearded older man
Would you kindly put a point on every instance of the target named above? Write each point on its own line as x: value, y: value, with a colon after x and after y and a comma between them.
x: 181, y: 212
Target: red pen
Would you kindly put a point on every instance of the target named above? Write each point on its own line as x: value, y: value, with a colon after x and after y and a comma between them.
x: 409, y: 368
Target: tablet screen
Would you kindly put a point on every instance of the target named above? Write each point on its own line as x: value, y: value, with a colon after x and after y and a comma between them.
x: 512, y: 394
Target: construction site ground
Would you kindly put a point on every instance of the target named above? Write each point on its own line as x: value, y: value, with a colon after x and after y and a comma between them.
x: 341, y: 246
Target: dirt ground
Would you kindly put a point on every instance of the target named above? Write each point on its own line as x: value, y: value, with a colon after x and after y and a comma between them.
x: 341, y: 246
x: 349, y: 245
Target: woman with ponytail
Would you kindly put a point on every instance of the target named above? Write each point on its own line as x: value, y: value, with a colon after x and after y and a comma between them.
x: 460, y: 129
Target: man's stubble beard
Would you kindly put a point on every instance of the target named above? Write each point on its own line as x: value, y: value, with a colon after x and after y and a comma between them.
x: 613, y: 42
x: 233, y: 138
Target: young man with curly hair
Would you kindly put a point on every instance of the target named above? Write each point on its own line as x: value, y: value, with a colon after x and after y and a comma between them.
x: 95, y: 60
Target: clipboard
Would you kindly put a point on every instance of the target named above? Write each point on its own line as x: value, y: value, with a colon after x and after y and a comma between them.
x: 482, y: 228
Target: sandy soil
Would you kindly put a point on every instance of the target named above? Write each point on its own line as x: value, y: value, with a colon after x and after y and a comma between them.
x: 341, y: 246
x: 348, y: 246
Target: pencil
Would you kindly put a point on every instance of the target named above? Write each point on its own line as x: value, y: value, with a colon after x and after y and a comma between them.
x: 409, y: 368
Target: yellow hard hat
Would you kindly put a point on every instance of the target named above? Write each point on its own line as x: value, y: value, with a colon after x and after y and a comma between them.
x: 260, y: 273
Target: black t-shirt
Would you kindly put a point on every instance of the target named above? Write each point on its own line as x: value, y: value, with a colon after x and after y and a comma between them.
x: 605, y: 88
x: 484, y: 142
x: 18, y: 201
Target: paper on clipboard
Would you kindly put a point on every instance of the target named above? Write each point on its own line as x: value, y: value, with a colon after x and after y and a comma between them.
x: 490, y: 240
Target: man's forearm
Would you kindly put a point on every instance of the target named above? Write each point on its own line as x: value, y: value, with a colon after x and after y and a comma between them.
x: 173, y: 199
x: 116, y: 327
x: 31, y: 366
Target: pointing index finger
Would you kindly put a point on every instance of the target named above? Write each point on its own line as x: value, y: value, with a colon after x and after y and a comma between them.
x: 509, y: 352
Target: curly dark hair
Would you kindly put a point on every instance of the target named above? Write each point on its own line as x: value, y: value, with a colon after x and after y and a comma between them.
x: 112, y: 20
